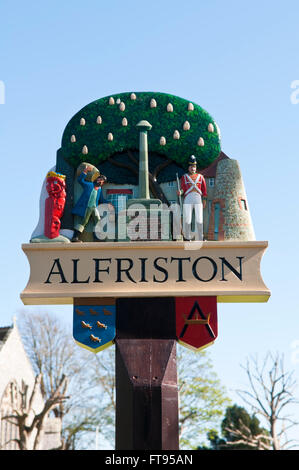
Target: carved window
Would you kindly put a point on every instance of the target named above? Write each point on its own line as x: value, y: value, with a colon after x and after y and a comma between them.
x: 243, y: 204
x: 118, y: 198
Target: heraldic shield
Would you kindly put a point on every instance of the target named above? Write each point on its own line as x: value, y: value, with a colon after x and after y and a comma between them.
x: 94, y: 326
x: 196, y: 321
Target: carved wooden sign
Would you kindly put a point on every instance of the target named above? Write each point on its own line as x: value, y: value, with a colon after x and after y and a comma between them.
x: 144, y: 228
x: 228, y: 270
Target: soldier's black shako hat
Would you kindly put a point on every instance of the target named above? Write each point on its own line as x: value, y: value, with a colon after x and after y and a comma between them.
x: 192, y: 160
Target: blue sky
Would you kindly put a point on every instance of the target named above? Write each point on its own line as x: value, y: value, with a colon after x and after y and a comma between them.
x: 236, y: 60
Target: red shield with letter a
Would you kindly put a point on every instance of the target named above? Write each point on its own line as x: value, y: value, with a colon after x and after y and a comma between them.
x: 196, y: 321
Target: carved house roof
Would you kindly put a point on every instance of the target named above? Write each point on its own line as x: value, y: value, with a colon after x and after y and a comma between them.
x: 210, y: 171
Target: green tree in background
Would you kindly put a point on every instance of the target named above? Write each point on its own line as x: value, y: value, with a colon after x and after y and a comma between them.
x: 202, y: 397
x: 271, y: 396
x: 239, y: 431
x: 90, y: 407
x: 243, y: 431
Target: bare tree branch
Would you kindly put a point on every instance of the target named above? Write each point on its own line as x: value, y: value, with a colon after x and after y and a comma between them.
x: 271, y: 391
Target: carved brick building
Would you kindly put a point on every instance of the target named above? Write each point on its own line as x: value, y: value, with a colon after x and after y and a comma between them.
x: 227, y: 215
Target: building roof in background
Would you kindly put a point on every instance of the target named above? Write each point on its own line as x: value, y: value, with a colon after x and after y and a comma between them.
x: 210, y: 171
x: 4, y: 333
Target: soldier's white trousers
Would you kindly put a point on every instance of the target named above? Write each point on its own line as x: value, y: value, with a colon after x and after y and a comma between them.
x: 193, y: 202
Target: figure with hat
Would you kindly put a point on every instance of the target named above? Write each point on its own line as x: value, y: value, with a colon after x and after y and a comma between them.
x: 193, y: 188
x: 92, y: 196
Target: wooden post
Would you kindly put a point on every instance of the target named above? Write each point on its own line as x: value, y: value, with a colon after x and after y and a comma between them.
x: 146, y: 375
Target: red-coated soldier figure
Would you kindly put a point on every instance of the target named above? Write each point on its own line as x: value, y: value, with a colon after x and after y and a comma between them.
x: 193, y: 187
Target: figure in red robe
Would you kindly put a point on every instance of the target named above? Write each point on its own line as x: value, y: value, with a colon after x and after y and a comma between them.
x: 54, y: 204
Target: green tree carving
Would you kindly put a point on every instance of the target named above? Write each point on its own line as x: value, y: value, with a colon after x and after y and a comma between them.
x: 105, y: 130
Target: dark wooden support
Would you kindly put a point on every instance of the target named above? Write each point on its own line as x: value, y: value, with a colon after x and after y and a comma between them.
x: 146, y: 375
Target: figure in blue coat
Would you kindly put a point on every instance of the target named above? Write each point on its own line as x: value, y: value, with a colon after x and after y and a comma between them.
x: 86, y: 206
